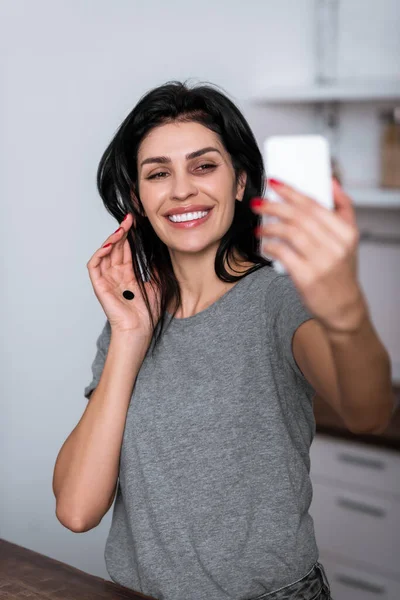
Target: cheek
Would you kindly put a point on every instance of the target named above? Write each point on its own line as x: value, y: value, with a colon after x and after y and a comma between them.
x: 151, y: 198
x: 220, y: 187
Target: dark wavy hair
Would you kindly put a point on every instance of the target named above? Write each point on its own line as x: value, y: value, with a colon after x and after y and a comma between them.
x: 117, y: 183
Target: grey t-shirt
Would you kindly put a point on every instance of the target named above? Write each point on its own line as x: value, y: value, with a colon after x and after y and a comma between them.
x: 214, y: 486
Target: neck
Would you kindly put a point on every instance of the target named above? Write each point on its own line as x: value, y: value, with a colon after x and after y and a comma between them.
x: 200, y: 287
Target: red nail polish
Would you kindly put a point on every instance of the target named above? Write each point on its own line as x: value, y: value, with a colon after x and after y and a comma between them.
x: 117, y: 229
x: 106, y: 245
x: 256, y: 202
x: 276, y: 182
x: 125, y: 217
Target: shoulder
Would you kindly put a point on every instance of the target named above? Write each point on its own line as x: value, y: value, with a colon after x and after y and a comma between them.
x: 263, y: 276
x: 277, y: 289
x: 282, y: 302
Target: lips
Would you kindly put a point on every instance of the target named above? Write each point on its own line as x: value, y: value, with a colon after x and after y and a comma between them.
x: 188, y: 209
x: 191, y: 224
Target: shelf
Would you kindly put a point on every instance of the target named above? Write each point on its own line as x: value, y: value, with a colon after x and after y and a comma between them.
x: 374, y: 197
x: 342, y: 91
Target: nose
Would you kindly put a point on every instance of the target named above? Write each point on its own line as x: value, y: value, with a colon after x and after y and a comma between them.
x: 182, y: 186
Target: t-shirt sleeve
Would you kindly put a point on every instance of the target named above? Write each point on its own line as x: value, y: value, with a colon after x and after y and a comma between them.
x: 287, y: 313
x: 102, y: 344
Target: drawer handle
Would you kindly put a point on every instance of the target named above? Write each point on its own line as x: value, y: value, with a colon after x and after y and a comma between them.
x: 362, y: 461
x: 360, y: 584
x: 374, y: 511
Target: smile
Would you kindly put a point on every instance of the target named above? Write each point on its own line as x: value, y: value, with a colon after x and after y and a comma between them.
x: 189, y: 220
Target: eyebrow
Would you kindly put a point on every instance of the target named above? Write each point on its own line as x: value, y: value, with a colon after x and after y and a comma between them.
x: 166, y: 159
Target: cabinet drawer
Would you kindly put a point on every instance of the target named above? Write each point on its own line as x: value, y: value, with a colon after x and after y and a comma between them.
x: 357, y: 526
x: 354, y: 463
x: 351, y: 583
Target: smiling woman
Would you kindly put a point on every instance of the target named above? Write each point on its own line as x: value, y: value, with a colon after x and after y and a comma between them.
x: 182, y: 151
x: 183, y: 215
x: 199, y: 420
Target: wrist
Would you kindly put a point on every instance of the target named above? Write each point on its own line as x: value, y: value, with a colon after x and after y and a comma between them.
x: 354, y: 318
x: 357, y: 323
x: 130, y: 338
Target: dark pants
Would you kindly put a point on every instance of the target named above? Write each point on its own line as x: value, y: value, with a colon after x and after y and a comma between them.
x: 313, y: 586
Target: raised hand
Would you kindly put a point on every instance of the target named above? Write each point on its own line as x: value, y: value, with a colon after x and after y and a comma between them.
x: 318, y: 247
x: 111, y: 273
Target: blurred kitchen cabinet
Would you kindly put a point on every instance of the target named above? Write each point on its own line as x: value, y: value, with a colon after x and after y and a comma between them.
x: 349, y: 583
x: 356, y: 512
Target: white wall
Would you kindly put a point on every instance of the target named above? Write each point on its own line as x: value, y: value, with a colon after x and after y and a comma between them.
x: 70, y: 72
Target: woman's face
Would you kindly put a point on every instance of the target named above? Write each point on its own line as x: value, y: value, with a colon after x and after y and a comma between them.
x: 169, y: 180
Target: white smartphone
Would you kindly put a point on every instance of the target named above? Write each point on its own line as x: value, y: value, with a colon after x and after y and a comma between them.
x: 303, y: 162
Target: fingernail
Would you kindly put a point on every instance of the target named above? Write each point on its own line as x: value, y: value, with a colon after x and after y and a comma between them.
x: 117, y: 229
x: 256, y: 202
x: 106, y: 245
x: 125, y: 217
x: 276, y: 182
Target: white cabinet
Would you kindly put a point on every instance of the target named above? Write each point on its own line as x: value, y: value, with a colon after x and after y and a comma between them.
x: 355, y: 465
x: 356, y: 512
x: 358, y: 526
x: 350, y: 583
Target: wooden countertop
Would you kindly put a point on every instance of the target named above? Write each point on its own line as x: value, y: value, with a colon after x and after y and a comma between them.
x: 29, y: 575
x: 328, y: 422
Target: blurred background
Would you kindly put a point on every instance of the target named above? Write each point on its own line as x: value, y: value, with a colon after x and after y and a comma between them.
x: 70, y: 72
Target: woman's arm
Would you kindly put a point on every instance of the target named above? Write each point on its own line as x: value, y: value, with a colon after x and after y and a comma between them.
x: 350, y: 371
x: 338, y: 350
x: 86, y: 469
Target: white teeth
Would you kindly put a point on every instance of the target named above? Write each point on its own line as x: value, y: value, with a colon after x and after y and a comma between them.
x: 187, y: 216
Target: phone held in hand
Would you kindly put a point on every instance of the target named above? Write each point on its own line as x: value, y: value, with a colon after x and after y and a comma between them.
x: 303, y: 162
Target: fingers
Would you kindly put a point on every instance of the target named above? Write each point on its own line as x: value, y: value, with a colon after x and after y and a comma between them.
x: 112, y: 251
x: 118, y: 238
x: 116, y: 256
x: 306, y: 212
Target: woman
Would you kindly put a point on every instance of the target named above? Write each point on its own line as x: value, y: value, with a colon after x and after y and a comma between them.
x: 200, y: 417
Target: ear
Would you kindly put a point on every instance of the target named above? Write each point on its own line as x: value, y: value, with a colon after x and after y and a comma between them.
x: 241, y: 185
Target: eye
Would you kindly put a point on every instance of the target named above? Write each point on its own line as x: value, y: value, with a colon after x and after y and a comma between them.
x: 155, y: 175
x: 207, y: 165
